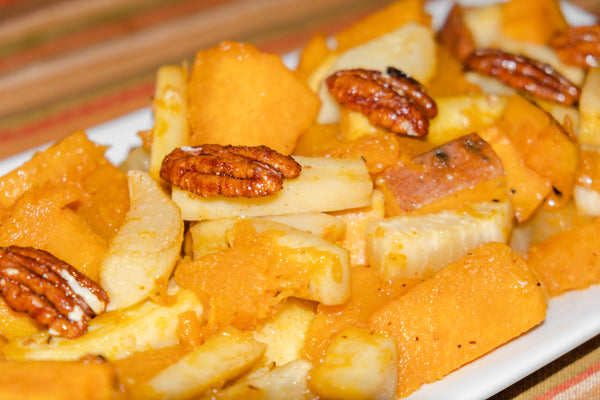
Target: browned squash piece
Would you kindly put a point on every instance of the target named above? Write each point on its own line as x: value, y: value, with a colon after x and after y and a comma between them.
x: 455, y: 35
x: 106, y: 200
x: 39, y: 219
x: 464, y: 169
x: 568, y: 260
x: 317, y: 139
x: 369, y: 292
x: 526, y: 188
x: 67, y: 161
x: 242, y: 96
x: 544, y: 145
x: 378, y: 23
x: 45, y: 380
x: 313, y: 55
x: 491, y: 294
x: 532, y: 20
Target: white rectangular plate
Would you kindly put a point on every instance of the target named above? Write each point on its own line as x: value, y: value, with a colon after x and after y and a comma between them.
x: 572, y: 318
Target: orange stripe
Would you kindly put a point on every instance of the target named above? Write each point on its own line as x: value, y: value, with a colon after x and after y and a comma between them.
x: 145, y: 90
x: 564, y: 386
x: 106, y: 32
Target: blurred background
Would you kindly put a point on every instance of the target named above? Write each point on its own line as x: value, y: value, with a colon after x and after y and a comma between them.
x: 66, y: 65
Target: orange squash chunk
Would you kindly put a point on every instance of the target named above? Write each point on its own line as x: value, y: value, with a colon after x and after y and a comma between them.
x: 467, y: 166
x: 242, y: 96
x: 67, y: 161
x: 40, y: 219
x: 568, y: 260
x: 57, y: 380
x: 106, y: 200
x: 544, y: 144
x: 532, y: 20
x: 526, y: 188
x: 313, y: 55
x: 369, y: 292
x: 384, y: 21
x: 490, y: 294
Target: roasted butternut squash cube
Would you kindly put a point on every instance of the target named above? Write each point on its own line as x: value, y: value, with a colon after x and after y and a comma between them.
x: 491, y: 294
x: 532, y: 20
x: 242, y: 96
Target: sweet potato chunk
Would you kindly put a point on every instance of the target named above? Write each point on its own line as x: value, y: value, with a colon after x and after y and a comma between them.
x: 239, y: 95
x: 491, y: 294
x: 568, y: 260
x: 459, y: 165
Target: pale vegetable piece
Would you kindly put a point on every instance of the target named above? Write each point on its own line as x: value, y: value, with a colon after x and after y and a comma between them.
x: 115, y: 334
x: 587, y: 201
x: 142, y: 255
x: 319, y: 224
x: 413, y: 246
x: 170, y: 110
x: 217, y: 361
x: 287, y: 381
x: 359, y: 364
x: 356, y: 221
x: 325, y: 184
x: 411, y: 49
x: 285, y: 332
x: 211, y: 235
x: 460, y: 115
x: 589, y: 109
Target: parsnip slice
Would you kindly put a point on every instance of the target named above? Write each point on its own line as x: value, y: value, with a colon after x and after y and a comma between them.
x: 359, y: 364
x: 147, y: 246
x: 325, y: 184
x: 589, y: 109
x: 287, y: 381
x: 171, y: 128
x: 412, y: 246
x: 115, y: 334
x: 220, y: 359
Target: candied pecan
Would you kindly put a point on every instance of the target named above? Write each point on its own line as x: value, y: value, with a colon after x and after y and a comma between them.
x: 524, y: 73
x: 393, y: 100
x: 578, y: 45
x: 52, y: 292
x: 232, y: 171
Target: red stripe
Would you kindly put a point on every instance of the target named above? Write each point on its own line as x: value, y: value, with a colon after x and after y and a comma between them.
x: 144, y: 90
x: 564, y: 386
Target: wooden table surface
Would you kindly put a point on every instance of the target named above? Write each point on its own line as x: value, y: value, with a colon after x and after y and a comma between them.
x: 67, y: 65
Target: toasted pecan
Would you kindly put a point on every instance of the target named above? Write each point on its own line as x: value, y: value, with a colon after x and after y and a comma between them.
x: 231, y: 171
x: 52, y: 292
x: 393, y: 100
x: 578, y: 45
x: 523, y: 73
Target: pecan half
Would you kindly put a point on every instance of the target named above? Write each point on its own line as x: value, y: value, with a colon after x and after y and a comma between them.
x: 52, y: 292
x: 578, y: 45
x: 232, y: 171
x: 523, y: 73
x: 393, y: 100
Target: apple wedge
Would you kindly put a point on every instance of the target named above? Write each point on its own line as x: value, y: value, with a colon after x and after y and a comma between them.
x: 142, y: 255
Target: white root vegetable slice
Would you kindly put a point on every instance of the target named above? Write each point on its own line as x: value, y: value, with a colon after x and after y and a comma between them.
x: 325, y: 184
